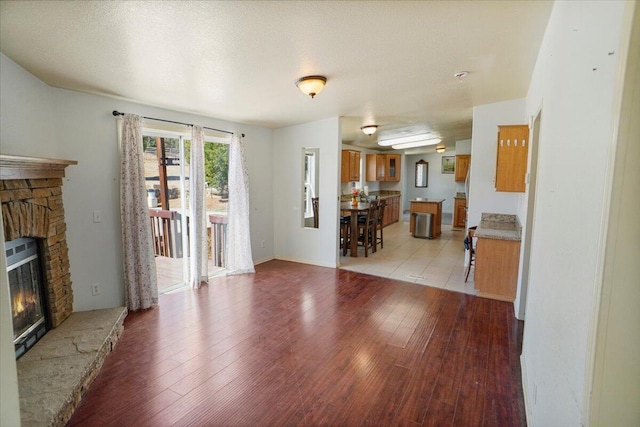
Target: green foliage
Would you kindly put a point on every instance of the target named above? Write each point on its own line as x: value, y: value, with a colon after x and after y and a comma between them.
x: 148, y: 141
x: 216, y: 164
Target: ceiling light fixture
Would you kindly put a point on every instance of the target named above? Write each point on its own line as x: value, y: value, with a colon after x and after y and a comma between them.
x: 369, y: 129
x: 311, y: 85
x: 403, y: 139
x: 416, y: 144
x: 440, y: 149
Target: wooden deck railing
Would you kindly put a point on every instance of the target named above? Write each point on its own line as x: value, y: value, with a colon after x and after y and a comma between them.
x: 167, y: 228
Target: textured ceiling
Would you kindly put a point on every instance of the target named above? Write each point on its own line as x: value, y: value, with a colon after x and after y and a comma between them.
x: 387, y: 62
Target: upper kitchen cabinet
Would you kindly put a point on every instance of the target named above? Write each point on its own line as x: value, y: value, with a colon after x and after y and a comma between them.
x: 350, y: 166
x: 376, y: 165
x: 462, y: 166
x: 383, y: 167
x: 511, y: 164
x: 392, y: 172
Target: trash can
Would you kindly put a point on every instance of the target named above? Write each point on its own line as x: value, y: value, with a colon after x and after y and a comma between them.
x: 422, y: 225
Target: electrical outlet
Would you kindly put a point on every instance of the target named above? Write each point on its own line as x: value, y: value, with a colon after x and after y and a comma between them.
x: 95, y: 289
x: 262, y: 244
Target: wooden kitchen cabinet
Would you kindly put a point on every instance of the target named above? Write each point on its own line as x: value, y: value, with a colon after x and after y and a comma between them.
x: 350, y: 166
x: 383, y: 167
x: 459, y: 213
x: 462, y: 166
x: 376, y: 166
x: 392, y: 172
x: 511, y: 163
x: 496, y: 268
x: 391, y: 211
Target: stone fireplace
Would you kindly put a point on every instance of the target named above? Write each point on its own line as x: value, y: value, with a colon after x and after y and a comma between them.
x: 31, y: 198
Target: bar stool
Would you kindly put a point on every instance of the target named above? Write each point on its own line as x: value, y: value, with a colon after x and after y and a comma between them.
x: 380, y: 222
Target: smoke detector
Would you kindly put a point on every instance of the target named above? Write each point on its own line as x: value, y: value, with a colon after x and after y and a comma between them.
x: 461, y: 75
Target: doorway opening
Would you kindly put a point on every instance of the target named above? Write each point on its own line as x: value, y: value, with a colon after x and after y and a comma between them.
x: 531, y: 202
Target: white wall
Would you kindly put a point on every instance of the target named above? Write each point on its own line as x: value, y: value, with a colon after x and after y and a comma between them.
x: 484, y: 148
x: 439, y: 185
x: 616, y: 388
x: 80, y: 127
x: 575, y: 81
x: 292, y: 241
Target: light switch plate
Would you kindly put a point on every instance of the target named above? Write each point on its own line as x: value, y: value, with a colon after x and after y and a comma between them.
x: 97, y: 216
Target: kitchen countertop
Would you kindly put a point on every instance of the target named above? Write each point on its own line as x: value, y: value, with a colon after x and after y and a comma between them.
x: 427, y: 201
x: 384, y: 194
x: 499, y: 226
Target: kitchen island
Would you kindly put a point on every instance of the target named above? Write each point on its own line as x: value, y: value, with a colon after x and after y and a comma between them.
x: 497, y: 256
x: 431, y: 206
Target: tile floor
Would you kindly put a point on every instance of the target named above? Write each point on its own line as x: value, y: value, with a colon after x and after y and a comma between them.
x: 438, y: 262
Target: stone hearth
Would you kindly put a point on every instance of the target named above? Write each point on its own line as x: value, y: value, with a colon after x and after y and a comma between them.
x: 55, y: 373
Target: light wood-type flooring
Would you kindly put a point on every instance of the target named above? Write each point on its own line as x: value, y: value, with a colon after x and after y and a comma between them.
x: 302, y: 345
x: 438, y: 262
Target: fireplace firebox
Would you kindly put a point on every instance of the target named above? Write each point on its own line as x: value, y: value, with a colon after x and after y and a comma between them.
x: 26, y: 291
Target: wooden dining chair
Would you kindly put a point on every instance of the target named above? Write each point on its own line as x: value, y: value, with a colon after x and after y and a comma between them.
x: 380, y: 223
x: 345, y: 233
x: 315, y: 204
x: 472, y: 251
x: 367, y: 228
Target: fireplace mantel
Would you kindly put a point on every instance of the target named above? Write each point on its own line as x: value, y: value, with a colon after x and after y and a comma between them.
x: 21, y: 167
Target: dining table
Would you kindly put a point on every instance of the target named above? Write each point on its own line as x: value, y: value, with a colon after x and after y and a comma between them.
x: 354, y: 210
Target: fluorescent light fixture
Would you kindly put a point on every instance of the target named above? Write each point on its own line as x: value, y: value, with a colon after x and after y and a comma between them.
x: 416, y: 144
x: 403, y: 139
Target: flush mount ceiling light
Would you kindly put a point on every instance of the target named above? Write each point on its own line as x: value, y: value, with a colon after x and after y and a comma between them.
x: 416, y: 144
x: 440, y: 149
x: 369, y: 129
x: 403, y: 139
x: 311, y: 85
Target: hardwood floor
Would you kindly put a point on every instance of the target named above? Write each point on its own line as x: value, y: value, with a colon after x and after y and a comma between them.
x: 301, y: 345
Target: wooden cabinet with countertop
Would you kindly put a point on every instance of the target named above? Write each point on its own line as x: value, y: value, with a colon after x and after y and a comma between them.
x: 391, y: 211
x: 497, y: 256
x: 433, y: 207
x: 350, y: 170
x: 462, y: 166
x: 459, y: 212
x: 511, y: 162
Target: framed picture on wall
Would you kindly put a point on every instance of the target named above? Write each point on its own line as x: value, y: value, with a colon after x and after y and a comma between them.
x: 448, y: 164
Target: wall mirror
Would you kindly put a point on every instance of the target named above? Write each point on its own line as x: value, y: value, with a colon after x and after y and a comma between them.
x: 422, y: 173
x: 310, y: 187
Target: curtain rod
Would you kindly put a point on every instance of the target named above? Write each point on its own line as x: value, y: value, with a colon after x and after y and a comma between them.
x: 117, y: 113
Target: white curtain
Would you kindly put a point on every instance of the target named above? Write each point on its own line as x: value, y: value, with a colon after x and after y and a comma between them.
x: 239, y: 258
x: 140, y: 283
x: 198, y: 249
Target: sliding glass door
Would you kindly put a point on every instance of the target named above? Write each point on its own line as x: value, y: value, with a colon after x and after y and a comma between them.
x: 166, y: 161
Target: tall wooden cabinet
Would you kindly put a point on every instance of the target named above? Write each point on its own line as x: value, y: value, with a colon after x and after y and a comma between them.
x: 511, y: 163
x: 350, y: 166
x: 462, y: 166
x: 391, y: 211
